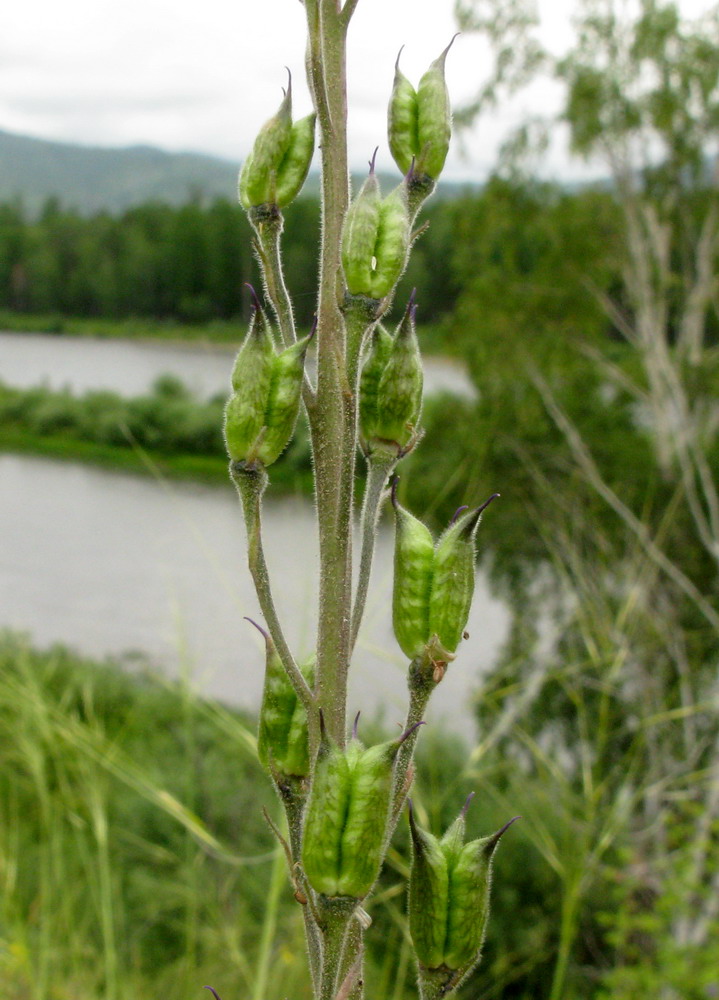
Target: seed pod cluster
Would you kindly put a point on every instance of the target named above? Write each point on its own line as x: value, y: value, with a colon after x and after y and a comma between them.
x: 433, y: 583
x: 375, y: 239
x: 391, y: 387
x: 419, y: 122
x: 282, y: 735
x: 277, y: 166
x: 347, y: 815
x: 261, y: 413
x: 449, y: 895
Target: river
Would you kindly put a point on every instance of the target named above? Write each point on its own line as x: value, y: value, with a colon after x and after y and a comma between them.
x: 111, y: 563
x: 130, y: 366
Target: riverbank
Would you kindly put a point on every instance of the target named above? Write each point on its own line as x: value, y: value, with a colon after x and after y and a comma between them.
x: 134, y: 328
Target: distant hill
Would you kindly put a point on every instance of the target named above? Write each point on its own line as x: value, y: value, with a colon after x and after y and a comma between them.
x: 92, y: 178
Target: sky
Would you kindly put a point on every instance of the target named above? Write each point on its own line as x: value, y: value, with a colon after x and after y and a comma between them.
x: 204, y: 76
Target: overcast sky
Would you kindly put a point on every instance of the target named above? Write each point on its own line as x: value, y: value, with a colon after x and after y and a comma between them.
x: 203, y: 76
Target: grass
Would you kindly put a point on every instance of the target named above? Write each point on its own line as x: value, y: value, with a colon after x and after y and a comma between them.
x: 134, y: 859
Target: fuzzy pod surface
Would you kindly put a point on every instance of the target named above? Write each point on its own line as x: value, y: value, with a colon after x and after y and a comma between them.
x: 419, y: 122
x: 433, y: 583
x: 449, y: 888
x: 346, y: 818
x: 282, y: 734
x: 276, y: 167
x: 262, y: 410
x: 375, y: 239
x: 399, y: 393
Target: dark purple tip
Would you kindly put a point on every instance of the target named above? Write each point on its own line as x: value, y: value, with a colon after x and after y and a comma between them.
x: 495, y: 838
x: 214, y: 992
x: 395, y: 483
x: 267, y: 640
x: 373, y: 160
x: 355, y: 725
x: 467, y: 804
x: 313, y: 328
x: 457, y: 513
x: 408, y: 732
x: 409, y: 176
x: 487, y: 503
x: 255, y: 301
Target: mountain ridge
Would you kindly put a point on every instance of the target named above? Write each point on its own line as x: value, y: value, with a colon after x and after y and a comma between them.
x: 92, y: 179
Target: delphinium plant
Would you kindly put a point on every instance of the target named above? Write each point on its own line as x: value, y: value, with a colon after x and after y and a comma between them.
x: 343, y: 800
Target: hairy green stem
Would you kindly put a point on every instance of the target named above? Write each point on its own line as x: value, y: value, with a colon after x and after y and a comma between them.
x: 251, y: 484
x: 293, y: 799
x: 379, y: 468
x: 333, y: 412
x: 269, y: 231
x: 421, y: 686
x: 336, y: 914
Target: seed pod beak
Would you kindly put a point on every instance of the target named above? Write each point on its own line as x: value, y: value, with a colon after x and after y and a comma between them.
x: 212, y: 991
x: 490, y: 845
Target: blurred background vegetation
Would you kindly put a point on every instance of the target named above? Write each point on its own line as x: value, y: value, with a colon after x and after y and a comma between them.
x: 133, y: 856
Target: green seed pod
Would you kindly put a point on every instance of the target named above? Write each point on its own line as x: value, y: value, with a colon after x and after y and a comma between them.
x: 283, y: 400
x: 347, y: 816
x: 375, y: 239
x: 453, y: 580
x: 433, y: 584
x: 325, y: 818
x: 434, y: 119
x: 419, y: 123
x: 261, y: 413
x: 413, y: 569
x: 258, y: 177
x: 293, y: 170
x: 428, y: 896
x: 372, y: 369
x: 392, y: 243
x: 359, y: 236
x: 251, y: 381
x: 399, y: 397
x: 449, y: 895
x: 402, y: 120
x: 282, y: 738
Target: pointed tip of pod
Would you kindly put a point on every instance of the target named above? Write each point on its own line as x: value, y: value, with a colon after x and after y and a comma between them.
x: 491, y: 842
x: 459, y: 510
x: 393, y: 492
x: 213, y: 991
x: 442, y: 57
x: 408, y: 732
x: 266, y: 636
x: 487, y: 502
x: 288, y: 93
x: 355, y: 725
x: 256, y: 304
x: 467, y: 804
x: 396, y: 62
x: 373, y: 161
x: 313, y: 328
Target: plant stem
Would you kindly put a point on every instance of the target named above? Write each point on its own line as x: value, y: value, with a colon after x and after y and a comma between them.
x: 335, y: 403
x: 251, y: 484
x: 421, y: 686
x: 269, y: 231
x: 379, y: 468
x: 336, y: 913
